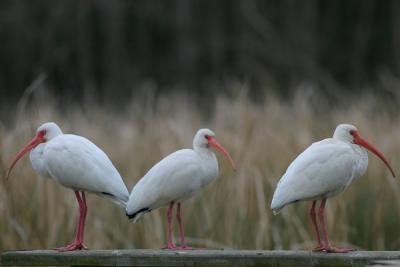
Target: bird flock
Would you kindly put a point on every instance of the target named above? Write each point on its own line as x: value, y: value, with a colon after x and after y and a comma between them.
x: 323, y: 170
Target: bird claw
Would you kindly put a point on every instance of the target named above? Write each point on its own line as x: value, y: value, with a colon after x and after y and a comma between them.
x: 175, y: 247
x: 339, y: 250
x: 76, y: 245
x: 319, y: 248
x: 331, y: 249
x: 171, y: 246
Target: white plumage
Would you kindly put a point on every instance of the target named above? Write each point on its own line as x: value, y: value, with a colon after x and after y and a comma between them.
x: 76, y: 163
x: 176, y: 177
x: 80, y: 165
x: 323, y: 170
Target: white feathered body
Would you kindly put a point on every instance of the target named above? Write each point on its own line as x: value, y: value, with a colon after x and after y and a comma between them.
x: 323, y: 170
x: 175, y: 178
x: 77, y: 163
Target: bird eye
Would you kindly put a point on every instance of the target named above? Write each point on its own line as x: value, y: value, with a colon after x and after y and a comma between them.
x: 42, y: 133
x: 352, y: 132
x: 207, y: 136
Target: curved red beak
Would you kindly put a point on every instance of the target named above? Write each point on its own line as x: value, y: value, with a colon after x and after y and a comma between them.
x: 39, y: 138
x: 362, y: 142
x: 214, y: 143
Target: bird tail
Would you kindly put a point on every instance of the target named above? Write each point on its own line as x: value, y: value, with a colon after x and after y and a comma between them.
x: 120, y: 202
x: 277, y: 210
x: 137, y: 215
x: 276, y: 205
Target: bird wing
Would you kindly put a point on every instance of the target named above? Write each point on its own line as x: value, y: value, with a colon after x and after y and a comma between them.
x: 173, y: 178
x: 322, y: 170
x: 36, y: 157
x: 77, y: 163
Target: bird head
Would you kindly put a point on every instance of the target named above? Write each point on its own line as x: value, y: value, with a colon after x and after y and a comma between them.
x: 349, y: 133
x: 44, y: 133
x: 205, y: 138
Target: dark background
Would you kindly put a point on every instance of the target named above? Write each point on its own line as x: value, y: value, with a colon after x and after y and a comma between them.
x: 116, y: 49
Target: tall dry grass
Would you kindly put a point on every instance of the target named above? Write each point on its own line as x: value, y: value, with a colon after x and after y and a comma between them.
x: 232, y: 212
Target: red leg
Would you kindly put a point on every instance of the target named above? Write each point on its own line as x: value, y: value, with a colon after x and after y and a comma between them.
x: 327, y: 246
x: 321, y: 215
x: 181, y: 232
x: 83, y: 219
x: 78, y: 242
x: 170, y: 243
x: 313, y: 216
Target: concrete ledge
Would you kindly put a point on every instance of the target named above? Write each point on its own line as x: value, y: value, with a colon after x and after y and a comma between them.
x: 197, y: 258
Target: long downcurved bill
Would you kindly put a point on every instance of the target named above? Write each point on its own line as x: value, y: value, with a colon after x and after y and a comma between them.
x: 360, y: 141
x: 214, y: 143
x: 28, y: 147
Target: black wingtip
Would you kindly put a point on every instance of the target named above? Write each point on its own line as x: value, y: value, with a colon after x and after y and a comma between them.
x: 133, y: 215
x: 107, y: 194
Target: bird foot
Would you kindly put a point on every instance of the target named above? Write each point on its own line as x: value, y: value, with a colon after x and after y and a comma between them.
x: 175, y: 247
x: 319, y: 248
x: 76, y: 245
x: 339, y: 250
x: 331, y: 249
x: 171, y: 246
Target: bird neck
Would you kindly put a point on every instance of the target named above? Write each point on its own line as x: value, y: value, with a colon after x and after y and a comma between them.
x: 54, y: 134
x: 204, y: 151
x: 39, y: 148
x: 343, y: 136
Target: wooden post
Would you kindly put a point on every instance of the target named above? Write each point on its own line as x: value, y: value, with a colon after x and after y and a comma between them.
x: 198, y: 258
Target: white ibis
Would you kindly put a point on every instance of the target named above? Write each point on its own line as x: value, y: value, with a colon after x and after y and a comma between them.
x: 175, y: 178
x: 76, y: 163
x: 323, y: 170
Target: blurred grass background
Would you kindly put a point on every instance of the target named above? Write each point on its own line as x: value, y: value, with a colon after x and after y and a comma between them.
x: 139, y: 78
x: 232, y: 212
